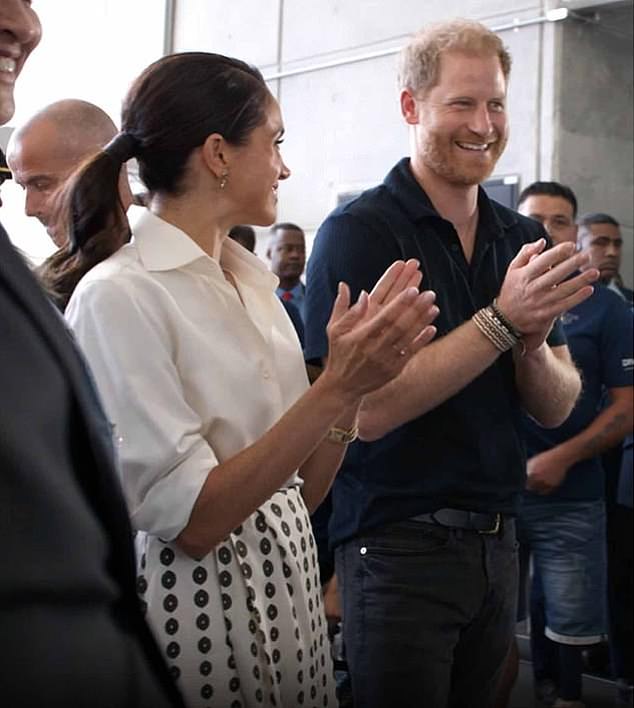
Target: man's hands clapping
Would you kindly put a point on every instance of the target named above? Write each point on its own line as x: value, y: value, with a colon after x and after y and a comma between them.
x: 537, y: 288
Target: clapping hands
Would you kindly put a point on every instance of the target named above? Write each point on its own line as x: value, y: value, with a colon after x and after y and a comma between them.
x: 538, y: 288
x: 371, y: 341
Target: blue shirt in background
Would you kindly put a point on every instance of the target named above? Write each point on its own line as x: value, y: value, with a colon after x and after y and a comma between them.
x: 295, y: 296
x: 599, y: 333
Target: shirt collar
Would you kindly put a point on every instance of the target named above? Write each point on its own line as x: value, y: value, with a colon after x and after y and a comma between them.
x: 413, y: 199
x: 297, y: 290
x: 162, y: 246
x: 614, y: 287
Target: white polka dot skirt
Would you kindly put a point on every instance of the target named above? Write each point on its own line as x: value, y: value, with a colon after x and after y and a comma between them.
x: 244, y: 627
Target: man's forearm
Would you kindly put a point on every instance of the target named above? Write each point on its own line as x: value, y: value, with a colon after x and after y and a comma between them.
x: 438, y: 371
x: 608, y: 429
x: 549, y: 384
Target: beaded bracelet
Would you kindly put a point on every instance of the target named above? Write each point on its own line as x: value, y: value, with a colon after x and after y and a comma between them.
x: 504, y: 320
x: 492, y: 327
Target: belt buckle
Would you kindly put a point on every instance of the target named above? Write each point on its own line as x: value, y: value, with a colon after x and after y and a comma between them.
x: 495, y: 529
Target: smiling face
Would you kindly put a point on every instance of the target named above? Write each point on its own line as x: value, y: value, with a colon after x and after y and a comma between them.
x: 20, y: 31
x: 460, y: 124
x: 255, y: 170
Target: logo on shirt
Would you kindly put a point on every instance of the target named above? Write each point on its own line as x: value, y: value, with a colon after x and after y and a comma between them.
x: 568, y: 318
x: 628, y: 364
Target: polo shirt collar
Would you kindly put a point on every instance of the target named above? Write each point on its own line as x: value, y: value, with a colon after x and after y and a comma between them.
x: 413, y: 199
x: 162, y: 247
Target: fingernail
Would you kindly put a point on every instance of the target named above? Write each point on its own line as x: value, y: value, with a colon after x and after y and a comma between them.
x: 363, y: 296
x: 339, y: 287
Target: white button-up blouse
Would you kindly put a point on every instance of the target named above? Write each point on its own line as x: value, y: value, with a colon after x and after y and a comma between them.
x: 189, y: 374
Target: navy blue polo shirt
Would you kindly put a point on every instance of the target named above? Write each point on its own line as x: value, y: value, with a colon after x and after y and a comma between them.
x: 599, y: 333
x: 468, y: 452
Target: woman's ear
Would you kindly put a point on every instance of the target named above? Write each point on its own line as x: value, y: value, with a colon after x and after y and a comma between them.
x: 214, y: 155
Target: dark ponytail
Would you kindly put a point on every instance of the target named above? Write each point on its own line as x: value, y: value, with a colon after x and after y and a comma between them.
x: 90, y: 212
x: 170, y: 110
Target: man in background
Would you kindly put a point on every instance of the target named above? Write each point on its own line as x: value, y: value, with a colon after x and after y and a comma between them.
x: 562, y: 521
x: 600, y: 236
x: 287, y: 253
x: 72, y: 631
x: 245, y: 236
x: 49, y: 147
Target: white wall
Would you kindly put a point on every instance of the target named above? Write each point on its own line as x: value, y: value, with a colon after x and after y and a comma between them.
x: 595, y: 151
x: 343, y: 128
x: 343, y: 125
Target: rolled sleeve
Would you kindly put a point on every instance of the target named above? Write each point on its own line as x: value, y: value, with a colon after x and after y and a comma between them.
x: 164, y: 458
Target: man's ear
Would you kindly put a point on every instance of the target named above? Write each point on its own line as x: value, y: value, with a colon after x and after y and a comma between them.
x: 409, y: 107
x: 214, y: 155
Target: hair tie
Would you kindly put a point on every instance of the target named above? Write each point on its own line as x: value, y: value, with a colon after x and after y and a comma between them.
x: 122, y: 147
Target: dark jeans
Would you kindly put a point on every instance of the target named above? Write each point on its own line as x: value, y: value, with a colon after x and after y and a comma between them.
x: 429, y: 614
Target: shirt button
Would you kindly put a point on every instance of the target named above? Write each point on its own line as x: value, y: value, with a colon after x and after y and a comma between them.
x: 363, y: 550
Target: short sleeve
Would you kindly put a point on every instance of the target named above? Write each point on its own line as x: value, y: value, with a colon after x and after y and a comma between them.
x: 163, y: 457
x: 345, y: 249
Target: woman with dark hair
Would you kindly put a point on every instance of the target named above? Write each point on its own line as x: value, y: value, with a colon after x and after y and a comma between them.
x: 223, y: 448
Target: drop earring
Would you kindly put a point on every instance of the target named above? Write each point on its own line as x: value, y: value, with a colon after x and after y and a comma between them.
x: 224, y: 178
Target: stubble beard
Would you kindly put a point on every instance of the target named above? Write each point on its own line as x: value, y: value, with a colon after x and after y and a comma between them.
x: 438, y: 158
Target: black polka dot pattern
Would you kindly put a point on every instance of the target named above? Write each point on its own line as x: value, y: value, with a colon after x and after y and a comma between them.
x: 244, y: 626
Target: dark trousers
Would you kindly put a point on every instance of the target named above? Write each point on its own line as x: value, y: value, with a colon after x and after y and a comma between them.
x: 429, y: 614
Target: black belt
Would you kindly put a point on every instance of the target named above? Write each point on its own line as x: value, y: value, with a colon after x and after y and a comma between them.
x: 461, y: 519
